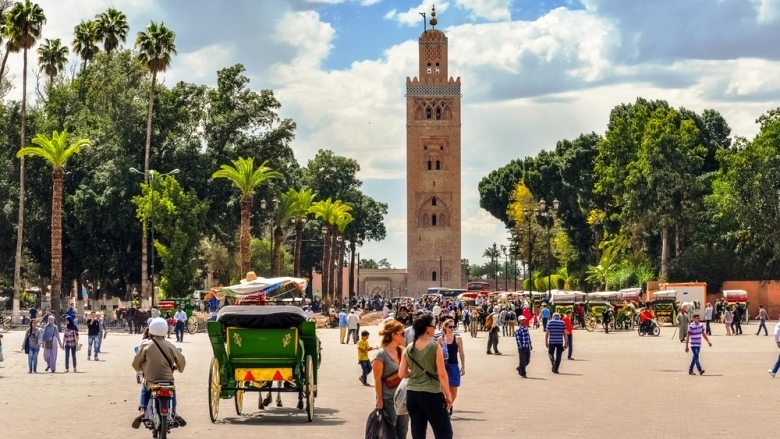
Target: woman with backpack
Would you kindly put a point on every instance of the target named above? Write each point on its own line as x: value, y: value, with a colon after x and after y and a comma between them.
x: 32, y: 345
x: 428, y: 396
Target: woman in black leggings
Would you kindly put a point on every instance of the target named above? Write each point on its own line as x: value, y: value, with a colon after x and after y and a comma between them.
x: 428, y: 393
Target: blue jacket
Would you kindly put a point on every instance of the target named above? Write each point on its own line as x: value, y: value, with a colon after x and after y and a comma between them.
x: 342, y: 319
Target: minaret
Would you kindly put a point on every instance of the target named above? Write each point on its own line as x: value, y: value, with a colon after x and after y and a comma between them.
x: 433, y: 169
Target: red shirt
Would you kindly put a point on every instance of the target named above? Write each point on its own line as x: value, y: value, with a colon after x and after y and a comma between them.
x: 567, y: 321
x: 645, y: 315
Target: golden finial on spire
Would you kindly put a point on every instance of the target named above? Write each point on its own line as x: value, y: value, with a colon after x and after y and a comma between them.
x: 433, y: 21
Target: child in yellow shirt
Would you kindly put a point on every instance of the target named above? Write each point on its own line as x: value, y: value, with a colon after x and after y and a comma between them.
x: 363, y: 348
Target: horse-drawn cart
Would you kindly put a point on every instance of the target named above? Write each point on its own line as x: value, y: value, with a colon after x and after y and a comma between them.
x: 255, y: 346
x: 664, y: 305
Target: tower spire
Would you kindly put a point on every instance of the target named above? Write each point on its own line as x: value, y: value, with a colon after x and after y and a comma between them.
x: 433, y: 21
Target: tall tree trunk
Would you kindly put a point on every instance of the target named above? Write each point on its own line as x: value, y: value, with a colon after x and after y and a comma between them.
x: 333, y: 260
x: 56, y: 231
x: 298, y: 247
x: 144, y: 241
x: 276, y: 270
x: 325, y: 269
x: 20, y: 223
x: 340, y: 268
x: 246, y: 207
x: 2, y: 66
x: 677, y: 248
x: 351, y: 285
x: 665, y: 253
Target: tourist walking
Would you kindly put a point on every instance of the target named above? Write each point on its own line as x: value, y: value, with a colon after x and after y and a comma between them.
x: 545, y: 314
x: 428, y: 395
x: 569, y: 333
x: 452, y: 346
x: 180, y: 318
x: 762, y: 317
x: 343, y: 326
x: 524, y: 346
x: 70, y: 340
x: 555, y: 340
x: 32, y: 345
x: 493, y: 333
x: 728, y: 319
x: 502, y: 320
x: 511, y: 321
x: 693, y: 340
x: 606, y: 318
x: 51, y: 342
x: 352, y: 326
x: 739, y: 313
x: 102, y: 334
x: 708, y: 318
x: 386, y: 379
x: 93, y: 336
x: 773, y: 370
x: 682, y: 324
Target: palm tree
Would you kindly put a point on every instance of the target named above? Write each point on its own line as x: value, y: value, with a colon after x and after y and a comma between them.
x: 156, y: 46
x: 52, y: 57
x: 284, y: 214
x: 246, y: 178
x: 55, y: 151
x: 23, y: 27
x: 329, y: 211
x: 84, y: 38
x: 341, y: 224
x: 111, y: 27
x: 303, y: 201
x: 4, y: 36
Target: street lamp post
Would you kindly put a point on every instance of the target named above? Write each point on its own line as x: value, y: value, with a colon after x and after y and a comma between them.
x: 529, y: 267
x: 546, y: 213
x: 493, y: 260
x: 506, y: 268
x: 151, y: 222
x: 441, y: 277
x: 322, y: 277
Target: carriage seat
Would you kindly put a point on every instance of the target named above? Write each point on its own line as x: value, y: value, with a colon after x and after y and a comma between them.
x: 261, y: 317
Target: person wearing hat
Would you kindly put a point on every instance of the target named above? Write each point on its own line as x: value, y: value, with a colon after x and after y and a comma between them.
x: 693, y: 339
x: 524, y: 346
x: 158, y: 359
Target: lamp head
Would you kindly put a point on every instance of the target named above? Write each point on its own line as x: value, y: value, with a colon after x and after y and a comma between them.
x: 542, y: 205
x: 262, y: 204
x: 556, y: 204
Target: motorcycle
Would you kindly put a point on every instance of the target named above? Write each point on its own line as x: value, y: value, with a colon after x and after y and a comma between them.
x: 652, y: 329
x: 159, y: 416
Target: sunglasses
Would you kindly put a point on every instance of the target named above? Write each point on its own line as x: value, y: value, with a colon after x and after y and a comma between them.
x: 450, y: 326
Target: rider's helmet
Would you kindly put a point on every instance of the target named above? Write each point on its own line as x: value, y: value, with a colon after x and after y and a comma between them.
x: 158, y: 327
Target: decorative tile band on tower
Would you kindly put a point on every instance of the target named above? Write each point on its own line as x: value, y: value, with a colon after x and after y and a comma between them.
x: 420, y: 89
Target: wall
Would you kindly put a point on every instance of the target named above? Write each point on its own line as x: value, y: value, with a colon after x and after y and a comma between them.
x: 316, y: 282
x: 766, y: 293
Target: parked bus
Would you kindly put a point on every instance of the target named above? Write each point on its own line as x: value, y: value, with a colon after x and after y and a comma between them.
x: 478, y: 286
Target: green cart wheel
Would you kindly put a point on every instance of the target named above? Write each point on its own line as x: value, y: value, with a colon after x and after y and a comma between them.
x: 192, y: 325
x: 239, y: 398
x: 309, y: 388
x: 215, y: 388
x: 590, y: 323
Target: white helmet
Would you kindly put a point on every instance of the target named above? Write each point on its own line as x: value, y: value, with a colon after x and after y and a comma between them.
x: 158, y: 327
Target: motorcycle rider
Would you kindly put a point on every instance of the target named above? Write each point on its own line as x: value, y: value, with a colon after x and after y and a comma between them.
x: 646, y: 319
x: 158, y: 358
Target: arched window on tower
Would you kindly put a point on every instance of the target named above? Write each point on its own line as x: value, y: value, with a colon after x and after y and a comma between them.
x: 429, y: 68
x: 428, y: 113
x: 433, y: 276
x: 437, y: 68
x: 433, y: 219
x: 433, y: 201
x: 438, y: 113
x: 429, y: 165
x: 438, y: 165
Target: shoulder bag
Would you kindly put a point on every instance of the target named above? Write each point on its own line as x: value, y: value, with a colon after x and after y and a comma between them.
x: 167, y: 358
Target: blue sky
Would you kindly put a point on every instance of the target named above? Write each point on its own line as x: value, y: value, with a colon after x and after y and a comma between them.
x: 533, y: 72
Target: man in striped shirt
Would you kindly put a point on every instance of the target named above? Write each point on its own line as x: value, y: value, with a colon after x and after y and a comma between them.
x: 524, y: 347
x: 555, y: 340
x: 693, y: 339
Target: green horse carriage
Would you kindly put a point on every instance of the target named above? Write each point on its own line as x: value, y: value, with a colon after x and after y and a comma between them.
x: 255, y: 346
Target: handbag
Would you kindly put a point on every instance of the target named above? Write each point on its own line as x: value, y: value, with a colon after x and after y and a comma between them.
x: 399, y: 398
x: 48, y: 344
x: 391, y: 381
x: 78, y: 347
x: 378, y: 426
x: 26, y: 347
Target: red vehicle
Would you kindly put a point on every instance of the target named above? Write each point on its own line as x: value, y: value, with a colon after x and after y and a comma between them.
x: 477, y: 286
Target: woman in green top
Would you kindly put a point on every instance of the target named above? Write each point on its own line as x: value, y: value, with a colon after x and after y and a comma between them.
x: 428, y: 394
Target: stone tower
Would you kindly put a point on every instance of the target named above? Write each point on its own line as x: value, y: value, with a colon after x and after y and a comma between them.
x: 432, y: 169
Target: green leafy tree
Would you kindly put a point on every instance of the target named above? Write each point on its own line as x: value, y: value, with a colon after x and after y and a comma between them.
x: 177, y: 216
x: 24, y: 23
x: 84, y: 38
x: 111, y: 27
x: 5, y: 6
x: 52, y: 57
x: 56, y: 152
x: 246, y: 178
x: 368, y: 264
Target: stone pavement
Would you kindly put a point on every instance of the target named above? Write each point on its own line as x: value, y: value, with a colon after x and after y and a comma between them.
x: 619, y: 384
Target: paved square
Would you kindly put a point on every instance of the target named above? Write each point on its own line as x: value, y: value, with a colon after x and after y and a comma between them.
x: 620, y: 385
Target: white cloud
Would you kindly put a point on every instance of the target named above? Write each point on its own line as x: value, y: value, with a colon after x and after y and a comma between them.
x: 412, y: 16
x: 768, y: 10
x: 310, y: 36
x: 198, y: 66
x: 493, y: 10
x: 482, y: 224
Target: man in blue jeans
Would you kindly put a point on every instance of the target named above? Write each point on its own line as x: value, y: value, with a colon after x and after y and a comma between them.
x: 773, y: 370
x: 693, y: 340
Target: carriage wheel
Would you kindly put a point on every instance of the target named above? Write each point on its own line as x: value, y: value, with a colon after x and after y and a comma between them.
x: 215, y: 388
x: 309, y: 388
x: 590, y: 323
x: 239, y: 398
x: 192, y: 325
